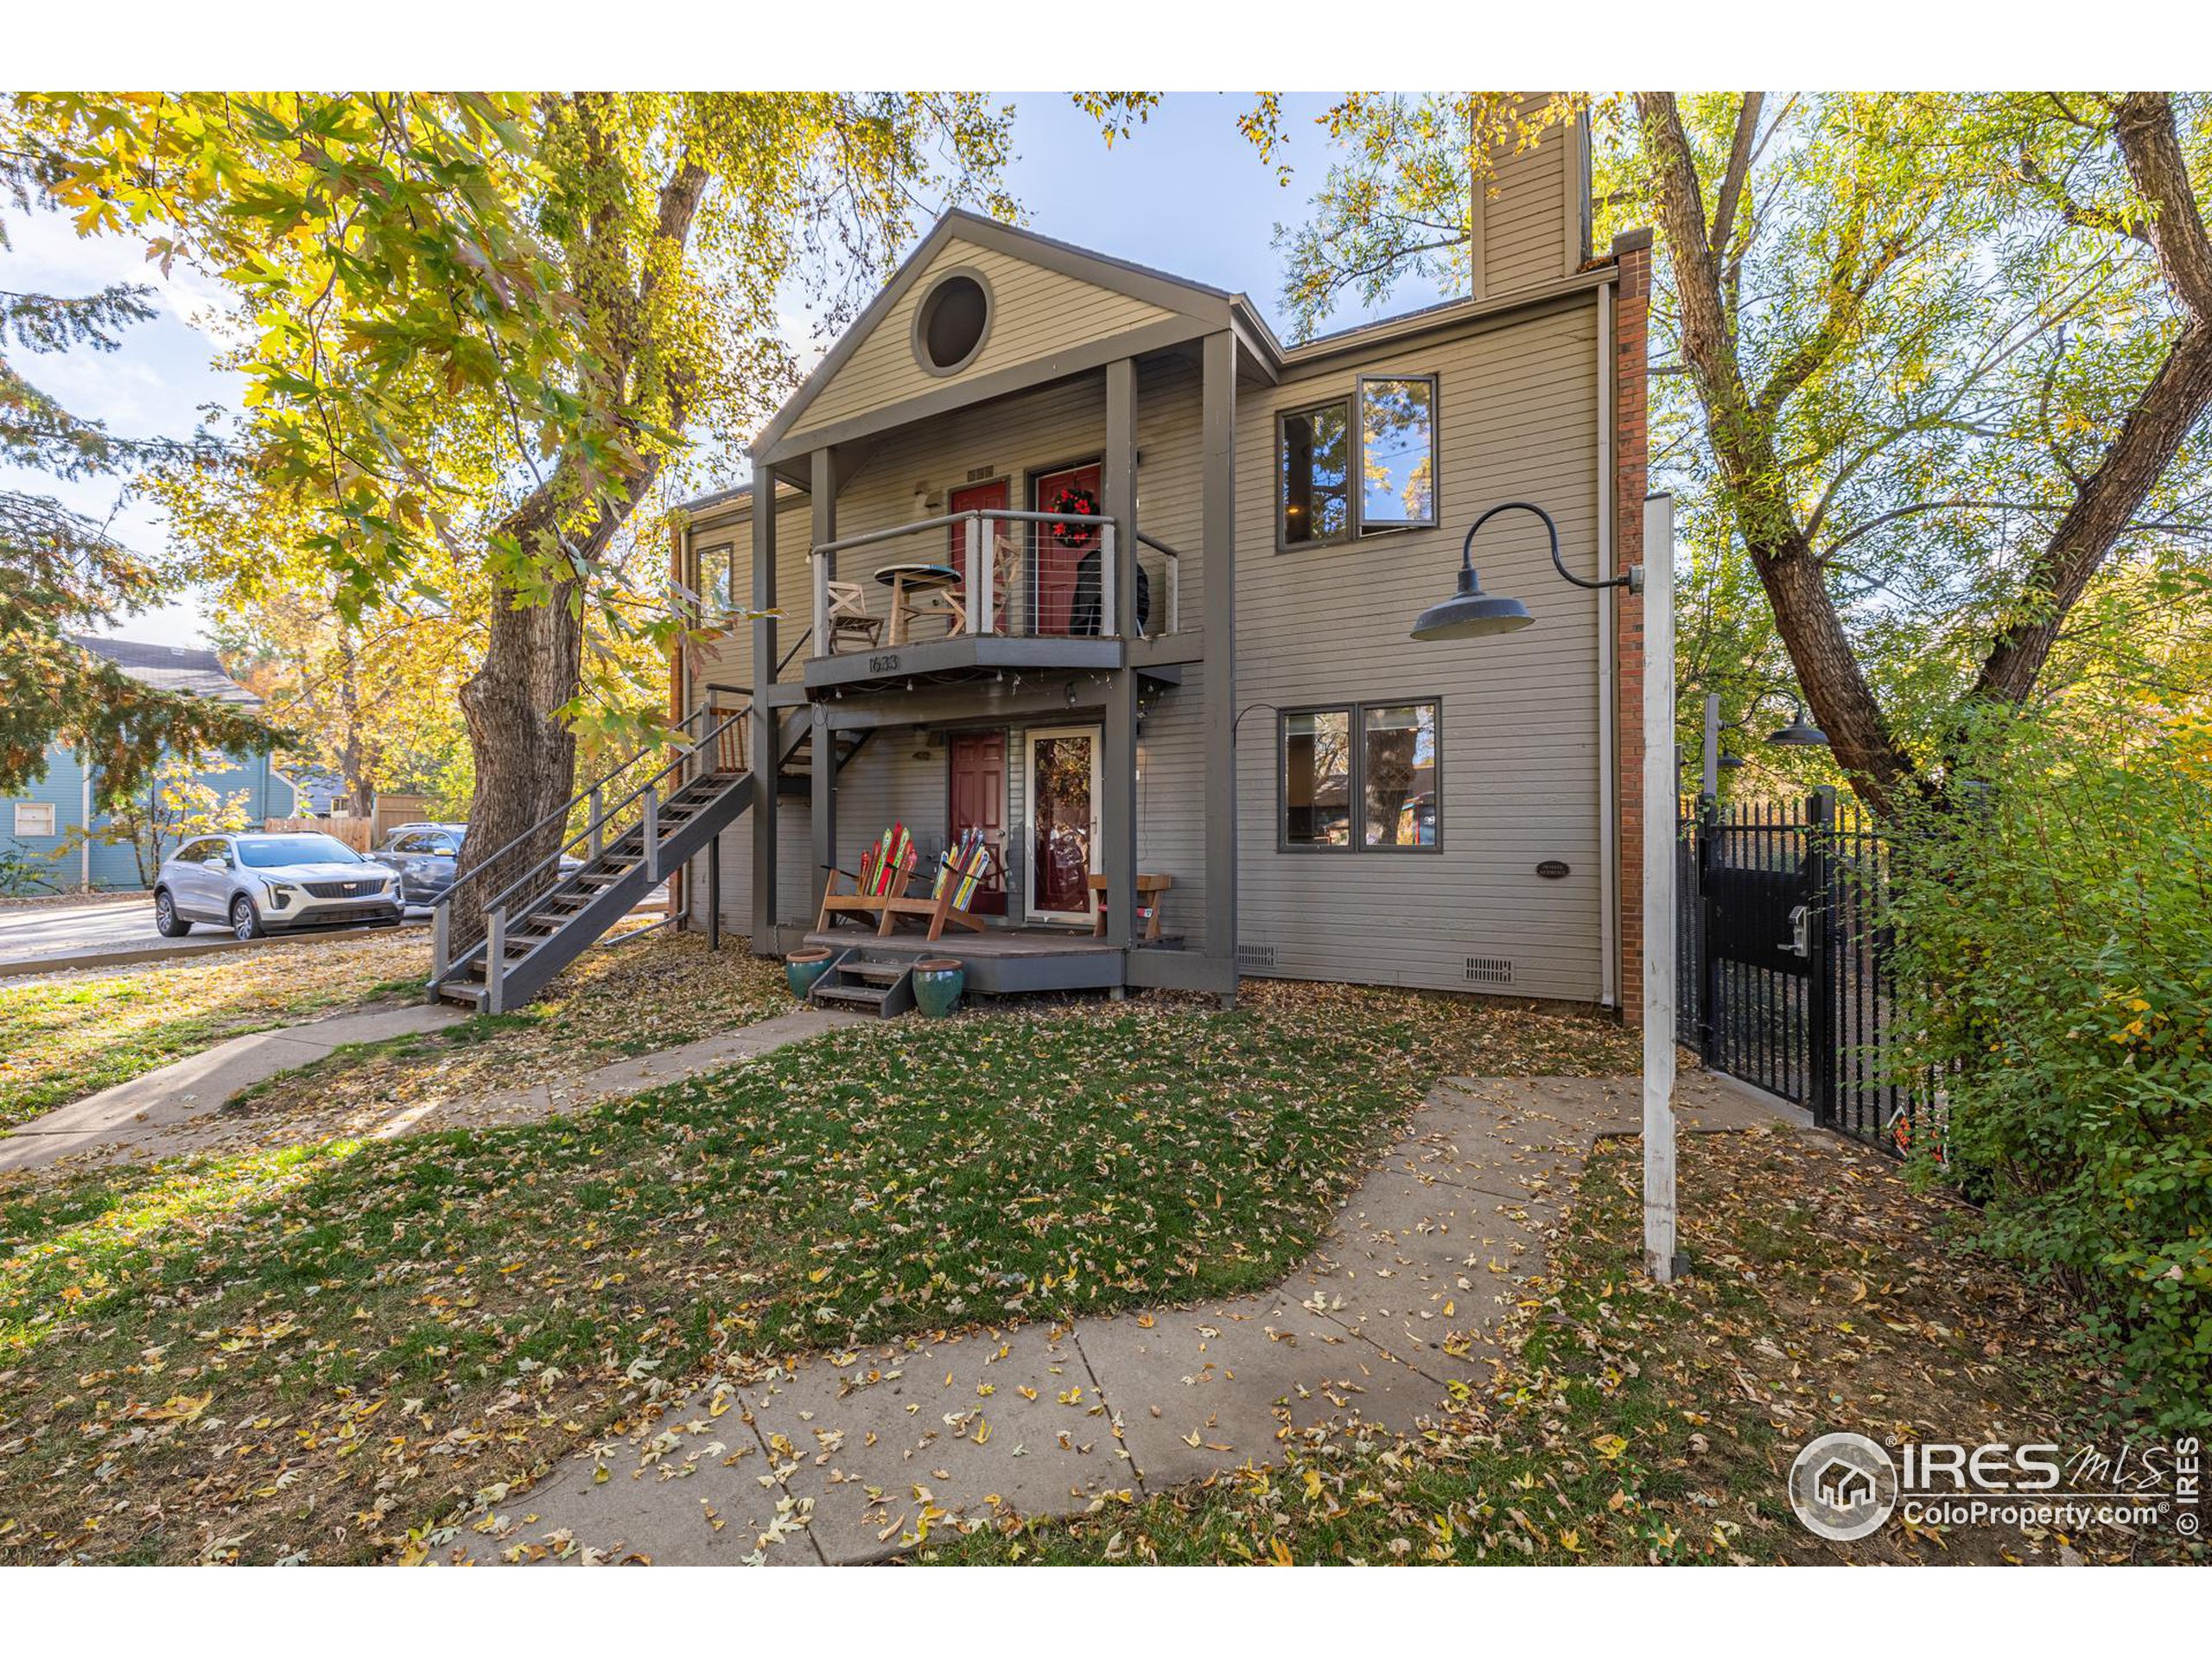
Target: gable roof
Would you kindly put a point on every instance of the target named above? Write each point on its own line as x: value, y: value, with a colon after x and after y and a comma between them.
x: 170, y: 668
x: 1207, y: 307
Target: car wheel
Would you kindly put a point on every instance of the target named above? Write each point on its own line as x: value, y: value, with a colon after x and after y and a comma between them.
x: 245, y: 921
x: 167, y: 922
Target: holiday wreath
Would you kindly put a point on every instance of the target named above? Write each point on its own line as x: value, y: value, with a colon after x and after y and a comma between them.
x: 1071, y: 500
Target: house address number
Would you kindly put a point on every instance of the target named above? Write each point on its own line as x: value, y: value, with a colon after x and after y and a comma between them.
x: 885, y: 664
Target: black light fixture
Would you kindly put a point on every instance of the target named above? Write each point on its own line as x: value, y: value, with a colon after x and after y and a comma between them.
x: 1799, y: 734
x: 1471, y: 614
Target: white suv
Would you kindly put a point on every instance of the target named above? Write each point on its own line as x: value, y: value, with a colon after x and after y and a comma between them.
x: 256, y: 884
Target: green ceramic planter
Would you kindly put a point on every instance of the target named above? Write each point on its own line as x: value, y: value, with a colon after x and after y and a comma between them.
x: 939, y: 982
x: 803, y: 968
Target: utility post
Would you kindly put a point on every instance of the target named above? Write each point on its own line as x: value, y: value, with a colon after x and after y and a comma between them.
x: 1660, y: 1257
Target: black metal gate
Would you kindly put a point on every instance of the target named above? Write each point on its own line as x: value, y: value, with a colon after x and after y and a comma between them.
x: 1784, y: 973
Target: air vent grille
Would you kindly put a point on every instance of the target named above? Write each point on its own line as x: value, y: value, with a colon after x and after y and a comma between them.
x: 1490, y: 970
x: 1256, y: 956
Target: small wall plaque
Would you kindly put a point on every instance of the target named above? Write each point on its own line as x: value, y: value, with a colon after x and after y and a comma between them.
x: 1552, y: 869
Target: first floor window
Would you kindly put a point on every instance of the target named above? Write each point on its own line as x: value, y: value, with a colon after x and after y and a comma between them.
x: 34, y: 818
x: 1317, y: 778
x: 1398, y: 774
x: 1361, y: 777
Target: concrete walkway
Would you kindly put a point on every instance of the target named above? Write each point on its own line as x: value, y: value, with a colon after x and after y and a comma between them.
x: 151, y: 1115
x: 846, y: 1457
x: 169, y: 1111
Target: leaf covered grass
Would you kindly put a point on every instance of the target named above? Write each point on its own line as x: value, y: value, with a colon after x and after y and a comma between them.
x: 310, y: 1351
x: 73, y: 1034
x: 1631, y: 1424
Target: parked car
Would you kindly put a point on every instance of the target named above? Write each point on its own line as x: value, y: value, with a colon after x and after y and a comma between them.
x: 425, y: 857
x: 256, y: 884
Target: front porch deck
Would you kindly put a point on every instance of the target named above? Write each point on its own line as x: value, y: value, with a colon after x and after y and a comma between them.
x: 1001, y: 961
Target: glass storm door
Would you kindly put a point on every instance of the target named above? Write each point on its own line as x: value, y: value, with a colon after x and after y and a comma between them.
x: 1063, y: 766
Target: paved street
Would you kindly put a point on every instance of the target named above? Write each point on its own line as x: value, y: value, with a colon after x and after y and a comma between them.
x: 43, y: 932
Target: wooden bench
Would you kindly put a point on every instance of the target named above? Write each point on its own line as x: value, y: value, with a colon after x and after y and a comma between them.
x: 1149, y: 887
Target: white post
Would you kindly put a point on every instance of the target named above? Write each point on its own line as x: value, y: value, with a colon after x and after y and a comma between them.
x: 1659, y: 781
x: 979, y: 577
x: 821, y: 606
x: 1109, y: 589
x: 652, y: 832
x: 495, y: 960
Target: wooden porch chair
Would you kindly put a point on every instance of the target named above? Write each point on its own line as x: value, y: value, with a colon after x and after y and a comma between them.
x: 885, y: 868
x: 848, y: 616
x: 959, y: 874
x: 1005, y: 563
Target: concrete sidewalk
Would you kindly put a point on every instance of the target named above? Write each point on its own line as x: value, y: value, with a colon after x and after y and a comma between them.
x: 149, y: 1114
x: 844, y: 1457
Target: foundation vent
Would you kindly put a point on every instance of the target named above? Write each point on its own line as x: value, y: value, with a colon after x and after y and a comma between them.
x: 1256, y: 956
x: 1490, y: 970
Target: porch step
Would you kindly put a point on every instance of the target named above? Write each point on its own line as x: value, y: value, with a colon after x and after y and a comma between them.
x: 883, y: 988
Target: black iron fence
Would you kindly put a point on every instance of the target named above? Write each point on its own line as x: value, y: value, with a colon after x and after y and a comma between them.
x: 1785, y: 975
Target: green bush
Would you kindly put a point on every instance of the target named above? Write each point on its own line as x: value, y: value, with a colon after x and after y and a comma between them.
x: 2058, y: 935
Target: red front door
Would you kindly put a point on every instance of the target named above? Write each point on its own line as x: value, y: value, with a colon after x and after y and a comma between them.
x: 1060, y: 549
x: 979, y: 803
x: 976, y: 497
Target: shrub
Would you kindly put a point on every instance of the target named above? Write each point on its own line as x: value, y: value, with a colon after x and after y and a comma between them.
x: 2057, y: 932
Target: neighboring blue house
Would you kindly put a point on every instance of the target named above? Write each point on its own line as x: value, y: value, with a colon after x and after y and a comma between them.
x: 36, y: 824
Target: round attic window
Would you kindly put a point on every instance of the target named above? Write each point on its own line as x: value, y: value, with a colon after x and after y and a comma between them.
x: 952, y: 322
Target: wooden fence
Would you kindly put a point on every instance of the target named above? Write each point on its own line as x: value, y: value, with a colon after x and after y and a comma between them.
x: 356, y: 833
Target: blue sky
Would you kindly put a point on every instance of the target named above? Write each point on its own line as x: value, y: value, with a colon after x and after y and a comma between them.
x: 1184, y: 192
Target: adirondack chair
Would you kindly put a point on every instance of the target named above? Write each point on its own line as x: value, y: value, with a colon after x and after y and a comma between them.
x: 848, y: 616
x: 885, y: 868
x: 959, y: 872
x: 1005, y: 567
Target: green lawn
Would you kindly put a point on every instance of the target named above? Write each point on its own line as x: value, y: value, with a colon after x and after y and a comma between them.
x: 312, y: 1351
x: 1634, y: 1425
x: 65, y: 1038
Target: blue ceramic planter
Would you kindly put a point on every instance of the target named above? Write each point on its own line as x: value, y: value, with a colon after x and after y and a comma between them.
x: 939, y: 982
x: 803, y: 968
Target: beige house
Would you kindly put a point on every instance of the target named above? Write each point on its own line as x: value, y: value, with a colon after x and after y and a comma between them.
x: 1076, y: 557
x: 1073, y: 560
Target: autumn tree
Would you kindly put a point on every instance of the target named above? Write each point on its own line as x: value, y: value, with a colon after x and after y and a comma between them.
x: 1930, y: 374
x: 62, y: 572
x: 489, y: 324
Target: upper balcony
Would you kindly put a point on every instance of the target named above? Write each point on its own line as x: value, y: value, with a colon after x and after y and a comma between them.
x: 914, y: 599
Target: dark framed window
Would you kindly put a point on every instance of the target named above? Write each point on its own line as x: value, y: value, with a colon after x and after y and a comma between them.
x: 1397, y: 448
x: 1361, y: 777
x: 1313, y: 460
x: 1384, y: 437
x: 717, y: 583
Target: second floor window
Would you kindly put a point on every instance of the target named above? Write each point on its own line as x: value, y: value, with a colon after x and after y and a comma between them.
x: 1384, y: 437
x: 717, y: 583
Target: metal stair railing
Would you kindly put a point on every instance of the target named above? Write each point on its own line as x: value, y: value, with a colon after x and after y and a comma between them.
x: 725, y: 739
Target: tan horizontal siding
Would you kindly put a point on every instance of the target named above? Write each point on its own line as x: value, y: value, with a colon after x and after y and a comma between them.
x: 1034, y: 313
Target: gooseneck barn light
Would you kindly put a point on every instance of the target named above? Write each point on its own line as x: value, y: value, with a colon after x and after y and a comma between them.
x: 1471, y: 614
x: 1799, y: 734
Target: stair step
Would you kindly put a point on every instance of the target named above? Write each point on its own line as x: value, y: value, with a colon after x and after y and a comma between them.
x: 876, y: 973
x: 467, y: 995
x: 866, y: 995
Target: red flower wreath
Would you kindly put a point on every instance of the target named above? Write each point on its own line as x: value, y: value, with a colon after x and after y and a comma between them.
x: 1073, y: 500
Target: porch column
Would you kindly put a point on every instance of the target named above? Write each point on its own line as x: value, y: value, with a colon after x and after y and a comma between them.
x: 1218, y: 539
x: 1117, y: 491
x: 824, y: 837
x: 764, y: 715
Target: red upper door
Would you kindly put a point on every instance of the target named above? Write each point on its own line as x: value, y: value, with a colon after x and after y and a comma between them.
x: 1060, y: 547
x: 976, y: 497
x: 979, y: 803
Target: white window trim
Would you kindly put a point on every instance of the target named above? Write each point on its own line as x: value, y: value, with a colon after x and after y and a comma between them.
x: 25, y: 809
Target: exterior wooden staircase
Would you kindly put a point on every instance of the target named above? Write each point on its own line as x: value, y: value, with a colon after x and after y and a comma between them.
x: 543, y: 917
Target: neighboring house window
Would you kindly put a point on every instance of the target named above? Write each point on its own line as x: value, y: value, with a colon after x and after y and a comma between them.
x: 1361, y: 777
x: 1394, y: 459
x: 34, y: 818
x: 717, y: 582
